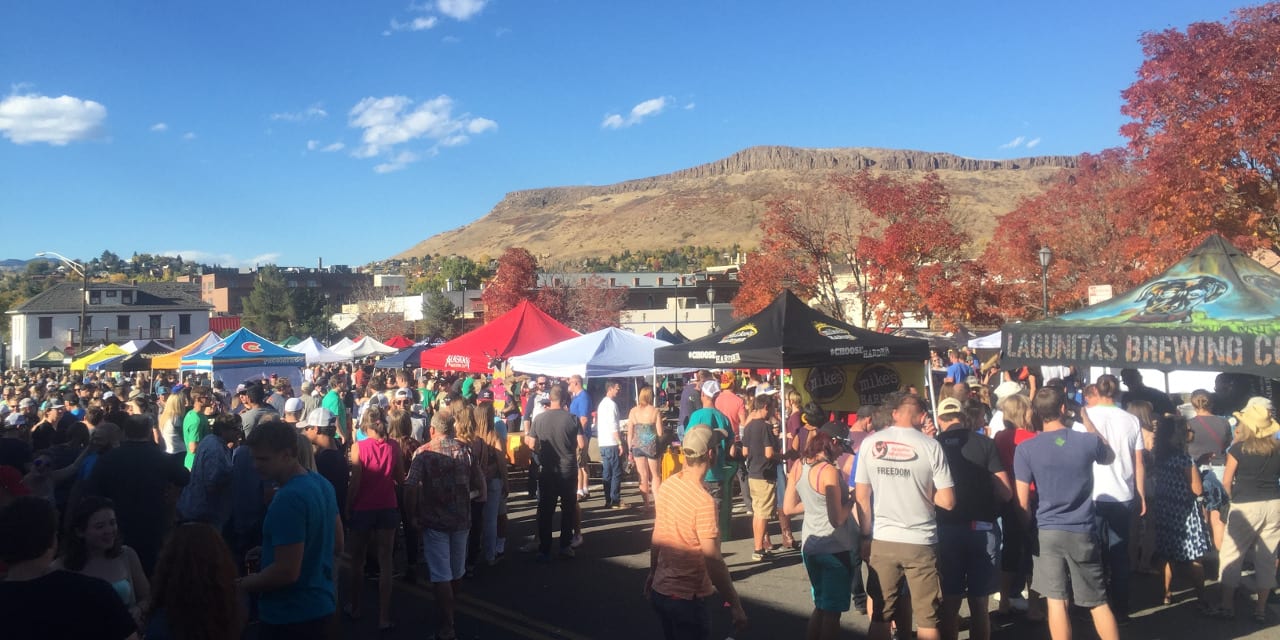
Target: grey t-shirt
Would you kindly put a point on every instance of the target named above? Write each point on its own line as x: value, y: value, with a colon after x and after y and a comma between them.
x: 904, y: 467
x: 1212, y: 438
x: 252, y: 417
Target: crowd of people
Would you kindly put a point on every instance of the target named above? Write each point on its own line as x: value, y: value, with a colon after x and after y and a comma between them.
x: 181, y: 508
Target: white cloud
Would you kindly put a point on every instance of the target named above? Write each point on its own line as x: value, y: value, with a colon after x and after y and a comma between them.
x: 460, y: 9
x: 190, y: 135
x: 313, y: 112
x: 397, y: 162
x: 421, y: 23
x: 1014, y: 143
x: 314, y: 145
x: 57, y: 121
x: 1031, y: 144
x: 451, y: 39
x: 159, y: 127
x: 394, y: 120
x: 223, y: 259
x: 639, y: 113
x: 690, y: 106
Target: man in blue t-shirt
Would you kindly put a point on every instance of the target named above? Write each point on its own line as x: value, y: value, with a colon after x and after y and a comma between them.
x: 722, y: 470
x: 301, y: 539
x: 958, y: 370
x: 580, y: 408
x: 1059, y: 462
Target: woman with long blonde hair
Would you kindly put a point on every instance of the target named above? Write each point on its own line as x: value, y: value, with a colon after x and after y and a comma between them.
x: 1252, y: 480
x: 171, y: 426
x: 494, y: 468
x: 644, y: 424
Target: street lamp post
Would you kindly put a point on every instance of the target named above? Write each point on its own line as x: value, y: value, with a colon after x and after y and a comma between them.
x: 84, y: 289
x: 711, y: 300
x: 1046, y: 257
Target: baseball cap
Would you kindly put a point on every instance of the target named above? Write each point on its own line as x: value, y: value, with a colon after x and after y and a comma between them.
x: 293, y: 405
x: 178, y: 387
x: 1006, y: 389
x: 319, y: 417
x: 973, y: 382
x: 55, y: 403
x: 485, y: 396
x: 865, y: 411
x: 107, y: 394
x: 697, y: 440
x: 837, y: 430
x: 11, y: 482
x: 949, y: 405
x: 771, y: 391
x: 403, y: 394
x: 25, y: 403
x: 710, y: 388
x: 136, y: 393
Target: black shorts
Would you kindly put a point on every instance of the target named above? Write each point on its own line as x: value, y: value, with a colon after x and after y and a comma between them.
x: 374, y: 519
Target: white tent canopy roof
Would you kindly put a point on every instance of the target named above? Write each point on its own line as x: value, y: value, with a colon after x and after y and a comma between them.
x: 365, y: 347
x: 991, y: 341
x: 316, y: 353
x: 607, y: 353
x: 341, y: 345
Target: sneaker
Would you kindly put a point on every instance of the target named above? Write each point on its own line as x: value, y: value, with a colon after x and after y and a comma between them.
x: 568, y: 552
x: 577, y: 542
x: 617, y: 505
x: 759, y: 555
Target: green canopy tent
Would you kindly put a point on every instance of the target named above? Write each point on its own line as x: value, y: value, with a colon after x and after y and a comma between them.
x: 1215, y: 310
x: 49, y: 359
x: 290, y: 341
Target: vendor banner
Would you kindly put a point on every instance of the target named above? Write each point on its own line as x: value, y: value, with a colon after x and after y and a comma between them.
x: 1158, y: 349
x: 847, y: 387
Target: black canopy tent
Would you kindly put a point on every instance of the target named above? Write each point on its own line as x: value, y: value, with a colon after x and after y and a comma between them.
x: 666, y: 335
x: 1215, y: 310
x: 788, y: 334
x: 139, y: 360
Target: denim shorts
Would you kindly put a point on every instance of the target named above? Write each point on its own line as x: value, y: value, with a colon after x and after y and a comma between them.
x: 445, y: 553
x: 968, y: 560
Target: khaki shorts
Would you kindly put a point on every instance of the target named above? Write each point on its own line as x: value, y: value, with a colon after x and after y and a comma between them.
x: 917, y: 564
x: 764, y: 499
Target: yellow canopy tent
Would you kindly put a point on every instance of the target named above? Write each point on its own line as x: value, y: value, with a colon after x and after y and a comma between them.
x: 109, y: 351
x: 172, y: 359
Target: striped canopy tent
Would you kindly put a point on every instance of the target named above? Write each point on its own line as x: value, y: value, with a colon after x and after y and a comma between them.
x: 173, y: 360
x: 109, y: 351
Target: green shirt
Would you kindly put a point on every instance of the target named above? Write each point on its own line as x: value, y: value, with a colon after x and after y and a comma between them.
x: 194, y: 427
x: 333, y: 402
x: 428, y: 396
x: 469, y: 388
x: 722, y: 469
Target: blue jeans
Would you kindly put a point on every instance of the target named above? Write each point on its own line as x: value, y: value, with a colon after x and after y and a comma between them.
x: 682, y: 619
x: 1114, y: 522
x: 611, y: 475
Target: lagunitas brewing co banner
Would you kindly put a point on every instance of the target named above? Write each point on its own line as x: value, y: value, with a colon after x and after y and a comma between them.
x: 847, y: 387
x: 1215, y: 310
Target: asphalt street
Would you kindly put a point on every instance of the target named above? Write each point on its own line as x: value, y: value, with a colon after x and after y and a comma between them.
x: 598, y: 594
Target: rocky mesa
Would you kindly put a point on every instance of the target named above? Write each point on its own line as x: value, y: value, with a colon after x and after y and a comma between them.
x: 719, y: 203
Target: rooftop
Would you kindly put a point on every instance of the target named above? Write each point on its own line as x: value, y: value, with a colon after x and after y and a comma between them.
x: 66, y: 297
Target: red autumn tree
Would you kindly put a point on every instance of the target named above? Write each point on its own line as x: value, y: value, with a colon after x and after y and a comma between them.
x: 1206, y: 129
x: 793, y: 255
x: 516, y: 279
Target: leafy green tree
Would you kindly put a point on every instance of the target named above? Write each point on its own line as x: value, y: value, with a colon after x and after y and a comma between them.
x: 307, y: 313
x: 439, y: 316
x: 267, y: 310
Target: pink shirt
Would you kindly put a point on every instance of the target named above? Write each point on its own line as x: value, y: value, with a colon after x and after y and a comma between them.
x: 377, y: 482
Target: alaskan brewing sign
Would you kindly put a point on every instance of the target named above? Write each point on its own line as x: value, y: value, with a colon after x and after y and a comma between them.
x: 1216, y: 310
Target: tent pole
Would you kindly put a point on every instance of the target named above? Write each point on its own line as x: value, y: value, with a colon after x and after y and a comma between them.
x: 782, y: 397
x: 933, y: 394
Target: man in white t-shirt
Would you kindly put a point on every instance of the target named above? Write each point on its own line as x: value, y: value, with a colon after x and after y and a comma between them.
x: 902, y: 475
x: 1118, y: 492
x: 1003, y: 390
x: 610, y: 449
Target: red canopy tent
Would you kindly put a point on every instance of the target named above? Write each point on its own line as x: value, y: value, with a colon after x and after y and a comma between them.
x: 521, y: 330
x: 399, y: 342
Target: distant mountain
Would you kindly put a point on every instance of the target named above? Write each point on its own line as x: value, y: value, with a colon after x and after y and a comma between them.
x: 719, y: 203
x: 16, y: 264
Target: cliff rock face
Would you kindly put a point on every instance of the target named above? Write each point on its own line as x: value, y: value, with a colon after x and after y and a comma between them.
x: 719, y: 203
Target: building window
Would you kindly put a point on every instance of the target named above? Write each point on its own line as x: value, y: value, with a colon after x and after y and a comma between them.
x: 184, y: 324
x: 153, y: 322
x: 126, y: 297
x: 45, y: 330
x: 111, y: 293
x: 95, y: 297
x: 122, y: 323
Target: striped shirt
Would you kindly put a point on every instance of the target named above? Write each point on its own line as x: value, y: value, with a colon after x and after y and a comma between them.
x: 686, y: 515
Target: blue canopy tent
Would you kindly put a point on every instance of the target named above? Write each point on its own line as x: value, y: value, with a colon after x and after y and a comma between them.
x: 245, y: 355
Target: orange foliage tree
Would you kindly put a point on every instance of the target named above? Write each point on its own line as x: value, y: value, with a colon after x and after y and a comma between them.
x: 584, y: 306
x: 1206, y: 129
x: 516, y: 279
x: 892, y: 247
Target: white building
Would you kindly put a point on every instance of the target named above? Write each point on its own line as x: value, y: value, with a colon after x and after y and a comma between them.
x: 169, y: 312
x: 682, y: 314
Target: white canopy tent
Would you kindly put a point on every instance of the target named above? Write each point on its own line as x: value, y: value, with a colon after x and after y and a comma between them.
x: 341, y: 345
x: 607, y: 353
x: 365, y: 347
x: 991, y: 341
x: 316, y: 353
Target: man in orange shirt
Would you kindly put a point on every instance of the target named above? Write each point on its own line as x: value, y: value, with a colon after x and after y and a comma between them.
x: 685, y: 565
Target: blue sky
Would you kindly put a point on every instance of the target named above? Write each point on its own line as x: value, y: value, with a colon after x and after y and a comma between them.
x: 241, y: 132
